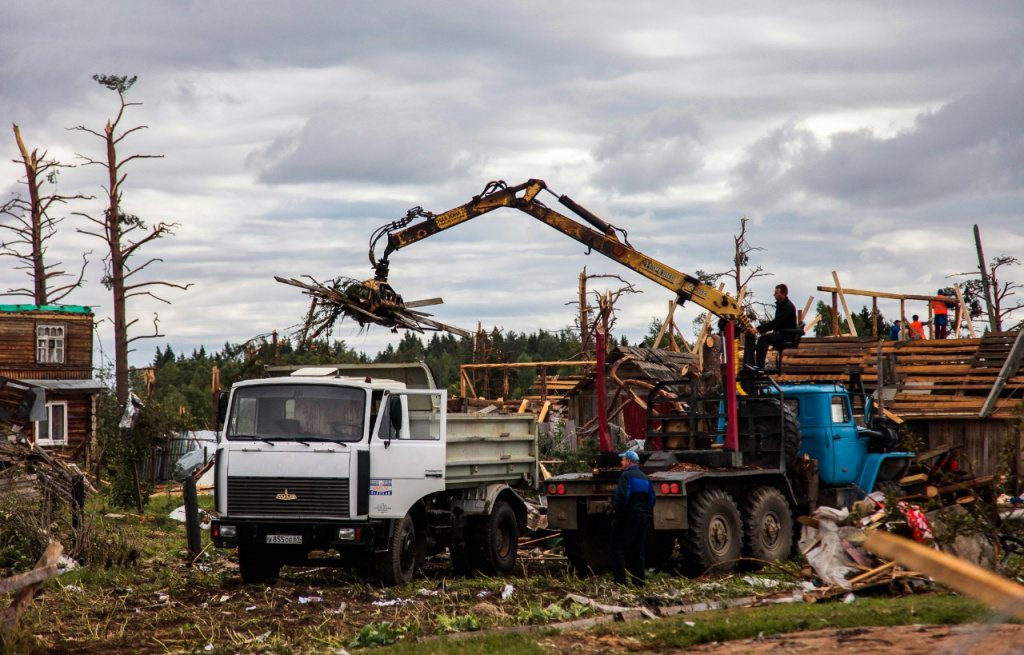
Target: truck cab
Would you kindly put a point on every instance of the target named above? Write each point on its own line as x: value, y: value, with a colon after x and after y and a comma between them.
x: 316, y: 467
x: 853, y: 458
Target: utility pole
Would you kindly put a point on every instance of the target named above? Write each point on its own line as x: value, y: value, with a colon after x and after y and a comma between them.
x: 992, y: 325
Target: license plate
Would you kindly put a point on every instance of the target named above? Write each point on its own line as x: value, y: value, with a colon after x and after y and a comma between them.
x: 284, y: 538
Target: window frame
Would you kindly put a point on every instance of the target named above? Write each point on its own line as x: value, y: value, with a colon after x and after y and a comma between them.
x: 45, y: 353
x: 48, y: 439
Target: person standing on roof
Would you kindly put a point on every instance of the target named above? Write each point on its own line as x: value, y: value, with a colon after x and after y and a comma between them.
x: 941, y: 316
x: 632, y: 504
x: 916, y: 328
x: 780, y: 329
x: 894, y: 331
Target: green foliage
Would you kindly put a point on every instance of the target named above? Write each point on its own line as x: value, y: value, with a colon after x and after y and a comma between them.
x: 119, y: 83
x: 565, y: 610
x: 18, y: 553
x: 378, y: 634
x: 446, y: 623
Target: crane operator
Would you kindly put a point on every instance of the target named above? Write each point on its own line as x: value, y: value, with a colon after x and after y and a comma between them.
x: 780, y: 330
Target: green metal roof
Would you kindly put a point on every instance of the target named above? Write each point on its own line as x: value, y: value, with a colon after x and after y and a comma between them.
x: 70, y: 309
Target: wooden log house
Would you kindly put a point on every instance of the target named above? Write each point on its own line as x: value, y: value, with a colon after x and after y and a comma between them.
x: 49, y: 350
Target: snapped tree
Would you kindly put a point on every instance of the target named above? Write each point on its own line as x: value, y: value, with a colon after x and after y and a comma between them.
x: 34, y: 225
x: 123, y: 233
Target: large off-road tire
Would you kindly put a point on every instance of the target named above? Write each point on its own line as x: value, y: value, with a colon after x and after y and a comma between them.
x: 659, y: 549
x: 767, y: 525
x: 406, y: 550
x: 715, y: 536
x: 587, y: 547
x: 498, y: 541
x: 766, y: 413
x: 256, y: 564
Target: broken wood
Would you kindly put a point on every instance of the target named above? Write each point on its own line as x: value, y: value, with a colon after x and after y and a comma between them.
x: 27, y: 584
x: 989, y: 588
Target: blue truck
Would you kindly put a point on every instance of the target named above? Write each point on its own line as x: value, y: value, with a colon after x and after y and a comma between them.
x: 799, y: 446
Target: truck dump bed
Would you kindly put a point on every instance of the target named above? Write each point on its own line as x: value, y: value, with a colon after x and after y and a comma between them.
x: 484, y: 448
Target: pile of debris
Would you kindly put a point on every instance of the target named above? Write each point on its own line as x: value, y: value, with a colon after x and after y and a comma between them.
x: 28, y: 471
x: 370, y: 302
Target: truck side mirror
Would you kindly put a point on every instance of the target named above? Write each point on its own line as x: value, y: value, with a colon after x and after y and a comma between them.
x: 395, y: 413
x: 222, y: 407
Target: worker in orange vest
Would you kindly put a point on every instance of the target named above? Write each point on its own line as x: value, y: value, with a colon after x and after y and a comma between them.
x: 941, y: 316
x: 916, y: 328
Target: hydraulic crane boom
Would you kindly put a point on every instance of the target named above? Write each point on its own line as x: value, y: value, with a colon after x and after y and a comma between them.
x: 602, y: 238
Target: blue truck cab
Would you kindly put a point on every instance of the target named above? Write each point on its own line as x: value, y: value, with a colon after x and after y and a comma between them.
x: 854, y: 453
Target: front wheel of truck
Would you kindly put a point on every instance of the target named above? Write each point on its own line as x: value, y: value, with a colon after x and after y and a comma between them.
x: 405, y: 550
x: 256, y: 564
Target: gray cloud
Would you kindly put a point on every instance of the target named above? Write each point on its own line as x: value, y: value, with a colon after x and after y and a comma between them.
x: 974, y: 143
x: 648, y: 154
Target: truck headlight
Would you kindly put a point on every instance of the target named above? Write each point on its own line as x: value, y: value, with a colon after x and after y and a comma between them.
x: 226, y: 531
x: 348, y: 534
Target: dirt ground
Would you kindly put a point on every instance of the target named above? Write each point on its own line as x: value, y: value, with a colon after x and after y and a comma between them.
x: 966, y: 639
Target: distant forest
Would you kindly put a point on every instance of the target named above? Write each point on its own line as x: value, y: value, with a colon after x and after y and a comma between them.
x: 185, y: 381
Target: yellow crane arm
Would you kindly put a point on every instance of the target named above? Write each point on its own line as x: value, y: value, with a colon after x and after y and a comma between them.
x: 602, y: 239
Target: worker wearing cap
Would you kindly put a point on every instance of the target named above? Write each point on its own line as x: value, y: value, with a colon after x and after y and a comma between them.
x: 633, y: 502
x: 941, y: 316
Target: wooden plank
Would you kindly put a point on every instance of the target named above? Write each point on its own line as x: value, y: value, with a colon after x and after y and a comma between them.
x: 842, y: 298
x: 995, y: 591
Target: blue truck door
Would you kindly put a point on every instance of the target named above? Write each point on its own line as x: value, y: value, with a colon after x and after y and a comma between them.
x: 848, y: 450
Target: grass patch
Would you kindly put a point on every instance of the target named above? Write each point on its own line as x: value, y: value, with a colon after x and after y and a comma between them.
x: 727, y: 625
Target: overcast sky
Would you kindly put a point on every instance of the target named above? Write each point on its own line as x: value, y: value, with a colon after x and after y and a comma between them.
x: 865, y: 138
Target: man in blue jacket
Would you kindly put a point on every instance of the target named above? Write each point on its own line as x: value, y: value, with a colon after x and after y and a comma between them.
x: 633, y: 502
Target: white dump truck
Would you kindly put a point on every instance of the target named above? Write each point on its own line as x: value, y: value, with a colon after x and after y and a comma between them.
x: 363, y: 466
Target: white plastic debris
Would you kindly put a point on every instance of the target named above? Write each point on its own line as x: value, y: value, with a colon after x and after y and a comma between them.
x: 73, y: 587
x: 428, y: 592
x: 251, y: 608
x: 392, y: 602
x: 208, y: 647
x: 310, y: 599
x: 507, y: 592
x: 483, y: 594
x: 65, y: 563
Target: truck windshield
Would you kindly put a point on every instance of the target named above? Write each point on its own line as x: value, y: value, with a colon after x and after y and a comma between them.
x: 297, y: 412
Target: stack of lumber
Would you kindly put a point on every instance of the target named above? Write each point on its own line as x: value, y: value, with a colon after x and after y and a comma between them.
x: 950, y: 378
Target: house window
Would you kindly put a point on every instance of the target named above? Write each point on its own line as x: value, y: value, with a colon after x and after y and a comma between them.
x: 54, y: 430
x: 50, y: 344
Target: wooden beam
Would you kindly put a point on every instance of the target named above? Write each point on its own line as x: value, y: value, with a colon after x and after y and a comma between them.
x: 846, y: 308
x: 1010, y: 367
x: 893, y: 296
x: 989, y: 588
x: 665, y: 324
x: 966, y: 310
x: 802, y: 318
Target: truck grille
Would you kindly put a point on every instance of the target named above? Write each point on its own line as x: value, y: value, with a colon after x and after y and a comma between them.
x: 306, y: 497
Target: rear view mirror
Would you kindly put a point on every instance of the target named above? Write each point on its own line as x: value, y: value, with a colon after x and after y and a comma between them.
x: 395, y: 413
x: 222, y: 407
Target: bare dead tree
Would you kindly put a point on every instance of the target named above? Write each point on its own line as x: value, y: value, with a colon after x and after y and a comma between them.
x: 124, y: 234
x: 1002, y: 292
x: 33, y: 226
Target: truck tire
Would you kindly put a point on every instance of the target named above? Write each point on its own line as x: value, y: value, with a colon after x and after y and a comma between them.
x: 499, y: 541
x: 587, y: 548
x: 715, y: 536
x: 768, y: 525
x: 659, y: 549
x: 405, y: 551
x: 256, y: 564
x: 765, y: 413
